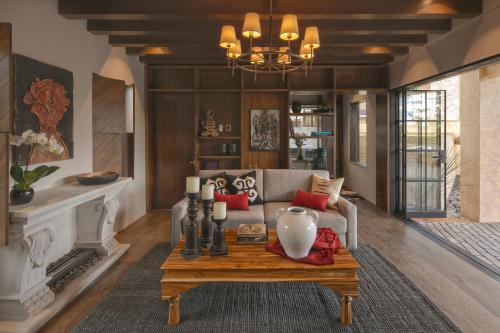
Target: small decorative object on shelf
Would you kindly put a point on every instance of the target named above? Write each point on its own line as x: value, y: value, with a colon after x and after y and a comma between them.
x: 323, y: 109
x: 219, y: 247
x: 207, y: 197
x: 296, y: 107
x: 299, y: 142
x: 322, y: 133
x: 191, y: 248
x: 223, y: 149
x: 319, y: 162
x: 233, y: 149
x: 97, y: 178
x: 22, y: 192
x: 208, y: 125
x: 221, y: 128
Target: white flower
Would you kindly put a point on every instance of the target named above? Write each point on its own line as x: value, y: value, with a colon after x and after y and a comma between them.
x: 41, y: 139
x: 54, y: 146
x: 16, y: 140
x: 29, y: 137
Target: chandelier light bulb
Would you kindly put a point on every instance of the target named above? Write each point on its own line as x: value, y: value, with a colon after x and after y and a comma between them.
x: 284, y: 56
x: 257, y: 57
x: 227, y: 37
x: 289, y: 27
x: 251, y: 26
x: 235, y: 51
x: 306, y: 52
x: 311, y: 37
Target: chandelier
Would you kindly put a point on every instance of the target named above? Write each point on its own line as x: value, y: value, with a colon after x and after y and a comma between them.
x: 269, y: 59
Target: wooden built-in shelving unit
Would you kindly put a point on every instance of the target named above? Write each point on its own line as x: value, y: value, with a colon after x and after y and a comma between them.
x: 232, y: 96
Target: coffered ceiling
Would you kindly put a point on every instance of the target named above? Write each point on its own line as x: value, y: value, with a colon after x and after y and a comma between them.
x: 187, y: 31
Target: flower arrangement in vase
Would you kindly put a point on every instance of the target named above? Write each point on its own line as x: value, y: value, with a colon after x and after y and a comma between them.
x: 22, y: 192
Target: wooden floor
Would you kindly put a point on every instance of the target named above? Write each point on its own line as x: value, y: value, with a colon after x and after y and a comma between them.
x: 469, y: 297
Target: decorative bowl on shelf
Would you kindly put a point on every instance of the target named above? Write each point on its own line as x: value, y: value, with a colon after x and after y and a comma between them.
x: 97, y: 177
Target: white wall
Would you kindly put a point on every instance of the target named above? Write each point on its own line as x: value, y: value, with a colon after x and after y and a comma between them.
x: 41, y: 33
x: 363, y: 180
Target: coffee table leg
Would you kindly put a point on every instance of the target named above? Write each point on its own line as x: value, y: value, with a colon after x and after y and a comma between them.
x: 174, y: 314
x: 346, y: 310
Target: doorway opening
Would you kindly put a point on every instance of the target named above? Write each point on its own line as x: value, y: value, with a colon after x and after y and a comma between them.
x: 448, y: 166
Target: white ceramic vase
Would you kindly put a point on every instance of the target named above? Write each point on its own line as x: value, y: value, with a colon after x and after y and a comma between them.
x: 296, y: 228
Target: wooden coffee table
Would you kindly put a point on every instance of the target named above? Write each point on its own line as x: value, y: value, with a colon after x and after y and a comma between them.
x: 252, y: 263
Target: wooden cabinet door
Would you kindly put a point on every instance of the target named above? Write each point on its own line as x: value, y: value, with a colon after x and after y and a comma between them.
x: 173, y: 141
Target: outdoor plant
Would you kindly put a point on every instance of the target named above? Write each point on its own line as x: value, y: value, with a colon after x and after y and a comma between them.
x: 24, y: 178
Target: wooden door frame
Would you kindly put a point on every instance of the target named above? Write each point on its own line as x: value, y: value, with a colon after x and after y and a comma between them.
x: 9, y: 115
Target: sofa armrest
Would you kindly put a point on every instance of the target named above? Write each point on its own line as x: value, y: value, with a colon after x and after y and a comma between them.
x: 350, y: 212
x: 179, y: 210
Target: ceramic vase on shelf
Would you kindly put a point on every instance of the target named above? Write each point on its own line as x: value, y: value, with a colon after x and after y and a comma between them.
x: 296, y: 228
x: 296, y: 107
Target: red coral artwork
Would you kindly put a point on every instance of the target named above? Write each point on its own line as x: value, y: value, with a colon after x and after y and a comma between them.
x: 43, y: 103
x: 49, y: 103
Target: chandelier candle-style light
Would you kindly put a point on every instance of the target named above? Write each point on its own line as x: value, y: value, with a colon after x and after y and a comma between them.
x: 270, y: 59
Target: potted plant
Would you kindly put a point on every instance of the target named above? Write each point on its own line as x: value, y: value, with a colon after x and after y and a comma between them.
x: 22, y: 192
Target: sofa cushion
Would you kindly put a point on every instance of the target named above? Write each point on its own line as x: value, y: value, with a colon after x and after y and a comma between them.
x: 328, y: 186
x: 328, y: 219
x: 310, y: 200
x: 233, y: 201
x: 238, y: 172
x: 219, y: 181
x: 245, y: 184
x: 281, y: 184
x: 254, y: 214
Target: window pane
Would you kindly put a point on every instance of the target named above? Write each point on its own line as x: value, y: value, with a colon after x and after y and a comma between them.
x: 359, y: 132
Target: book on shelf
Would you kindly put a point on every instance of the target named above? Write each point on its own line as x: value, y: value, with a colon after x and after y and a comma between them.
x: 251, y: 234
x: 322, y: 133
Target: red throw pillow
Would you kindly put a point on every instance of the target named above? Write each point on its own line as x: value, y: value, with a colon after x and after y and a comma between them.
x: 311, y: 200
x: 233, y: 201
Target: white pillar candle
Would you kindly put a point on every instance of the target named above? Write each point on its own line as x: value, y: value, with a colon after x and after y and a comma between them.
x: 207, y: 192
x: 219, y: 210
x: 193, y: 184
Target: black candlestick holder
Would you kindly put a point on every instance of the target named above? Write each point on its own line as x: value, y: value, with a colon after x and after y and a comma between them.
x: 191, y: 248
x: 219, y: 247
x: 206, y: 223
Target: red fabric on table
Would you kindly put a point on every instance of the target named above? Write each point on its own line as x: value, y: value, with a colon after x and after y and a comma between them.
x: 326, y: 244
x: 233, y: 201
x: 311, y: 200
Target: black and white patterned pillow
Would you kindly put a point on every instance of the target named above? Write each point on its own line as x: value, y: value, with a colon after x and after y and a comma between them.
x: 245, y: 183
x: 219, y: 181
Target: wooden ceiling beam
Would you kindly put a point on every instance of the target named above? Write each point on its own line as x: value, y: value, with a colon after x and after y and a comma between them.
x: 339, y: 51
x: 161, y: 27
x: 213, y: 60
x: 209, y: 40
x: 312, y: 9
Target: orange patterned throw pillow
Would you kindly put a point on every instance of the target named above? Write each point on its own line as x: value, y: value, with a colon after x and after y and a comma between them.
x: 328, y: 186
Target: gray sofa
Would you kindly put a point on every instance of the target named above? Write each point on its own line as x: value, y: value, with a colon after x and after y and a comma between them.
x: 277, y: 188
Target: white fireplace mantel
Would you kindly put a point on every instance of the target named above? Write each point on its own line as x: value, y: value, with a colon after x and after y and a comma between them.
x: 56, y: 221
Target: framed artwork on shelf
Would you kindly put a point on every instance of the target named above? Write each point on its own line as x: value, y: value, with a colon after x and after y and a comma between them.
x: 264, y: 130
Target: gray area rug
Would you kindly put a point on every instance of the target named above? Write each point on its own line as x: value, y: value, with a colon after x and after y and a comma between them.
x: 389, y: 302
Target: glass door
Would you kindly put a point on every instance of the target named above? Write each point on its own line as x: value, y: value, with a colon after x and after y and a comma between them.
x: 422, y: 153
